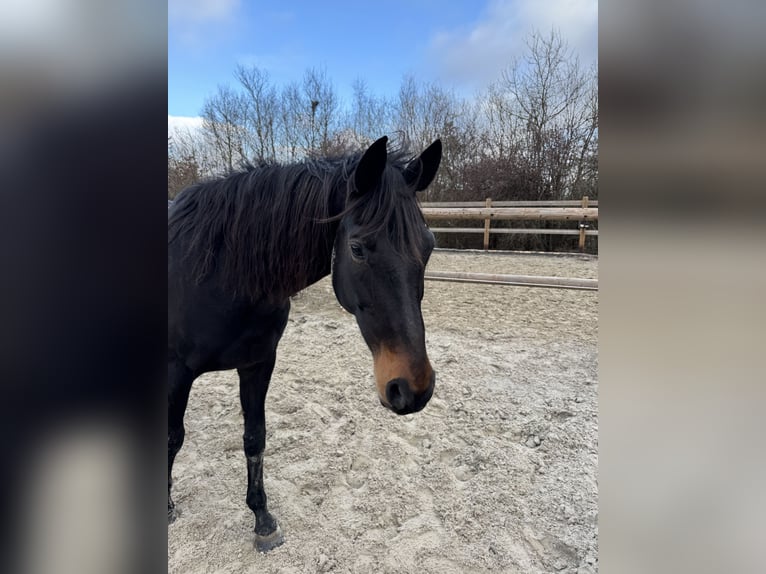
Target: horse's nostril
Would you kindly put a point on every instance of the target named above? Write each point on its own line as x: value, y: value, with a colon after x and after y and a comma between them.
x: 397, y: 394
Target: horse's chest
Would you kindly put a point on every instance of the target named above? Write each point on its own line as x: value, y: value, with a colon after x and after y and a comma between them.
x: 236, y: 341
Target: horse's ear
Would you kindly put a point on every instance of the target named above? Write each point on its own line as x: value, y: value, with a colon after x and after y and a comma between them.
x: 370, y: 168
x: 421, y: 171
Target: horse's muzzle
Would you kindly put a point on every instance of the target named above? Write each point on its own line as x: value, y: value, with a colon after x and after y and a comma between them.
x: 402, y: 400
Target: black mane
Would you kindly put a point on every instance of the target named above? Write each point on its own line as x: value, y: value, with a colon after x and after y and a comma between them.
x: 269, y: 229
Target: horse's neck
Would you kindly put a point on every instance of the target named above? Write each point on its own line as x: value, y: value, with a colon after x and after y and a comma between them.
x: 322, y: 247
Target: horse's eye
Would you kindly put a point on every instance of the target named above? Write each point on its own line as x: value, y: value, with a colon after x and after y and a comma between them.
x: 357, y: 250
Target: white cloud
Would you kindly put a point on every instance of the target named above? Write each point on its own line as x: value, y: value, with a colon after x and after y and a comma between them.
x: 476, y: 55
x: 183, y: 124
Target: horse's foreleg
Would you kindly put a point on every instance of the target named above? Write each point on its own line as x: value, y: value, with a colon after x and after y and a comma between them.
x: 180, y: 381
x: 253, y: 385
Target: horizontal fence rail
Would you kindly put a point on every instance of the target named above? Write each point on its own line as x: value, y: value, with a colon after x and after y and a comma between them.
x: 520, y: 231
x: 530, y: 203
x: 513, y: 213
x: 519, y: 280
x: 582, y: 211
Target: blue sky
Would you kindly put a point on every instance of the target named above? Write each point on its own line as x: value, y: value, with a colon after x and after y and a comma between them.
x: 460, y: 43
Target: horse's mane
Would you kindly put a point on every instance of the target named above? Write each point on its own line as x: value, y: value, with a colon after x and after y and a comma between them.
x: 269, y: 229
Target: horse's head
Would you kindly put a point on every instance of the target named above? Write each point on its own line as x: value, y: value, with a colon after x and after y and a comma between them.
x: 381, y: 249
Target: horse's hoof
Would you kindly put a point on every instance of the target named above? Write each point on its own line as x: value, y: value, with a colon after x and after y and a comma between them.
x: 269, y: 541
x: 173, y: 514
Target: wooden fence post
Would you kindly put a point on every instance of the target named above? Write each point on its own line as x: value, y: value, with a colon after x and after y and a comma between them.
x: 486, y: 227
x: 581, y: 243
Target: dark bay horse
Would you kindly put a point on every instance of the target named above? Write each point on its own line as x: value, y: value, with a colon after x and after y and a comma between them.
x: 240, y: 246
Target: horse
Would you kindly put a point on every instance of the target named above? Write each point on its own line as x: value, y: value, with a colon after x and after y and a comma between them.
x: 240, y: 246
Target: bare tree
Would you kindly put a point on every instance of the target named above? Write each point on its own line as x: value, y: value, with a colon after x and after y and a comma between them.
x: 323, y: 106
x: 260, y: 112
x: 426, y: 111
x: 290, y: 121
x: 498, y: 126
x: 223, y: 120
x: 407, y: 112
x: 369, y: 116
x: 544, y: 103
x: 586, y: 174
x: 183, y: 169
x: 308, y: 116
x: 198, y: 145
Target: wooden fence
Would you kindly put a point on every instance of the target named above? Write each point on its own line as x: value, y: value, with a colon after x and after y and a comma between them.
x: 582, y: 211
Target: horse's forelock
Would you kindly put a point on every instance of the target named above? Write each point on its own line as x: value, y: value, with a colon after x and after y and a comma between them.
x: 393, y: 208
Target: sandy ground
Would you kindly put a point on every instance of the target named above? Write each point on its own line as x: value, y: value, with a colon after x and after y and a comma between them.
x: 497, y: 474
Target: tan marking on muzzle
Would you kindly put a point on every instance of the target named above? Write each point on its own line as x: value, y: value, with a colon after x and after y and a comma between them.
x: 393, y: 364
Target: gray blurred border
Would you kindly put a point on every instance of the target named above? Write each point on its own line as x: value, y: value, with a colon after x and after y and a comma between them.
x: 683, y: 278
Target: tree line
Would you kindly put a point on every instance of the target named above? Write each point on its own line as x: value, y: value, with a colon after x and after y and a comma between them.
x: 531, y: 135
